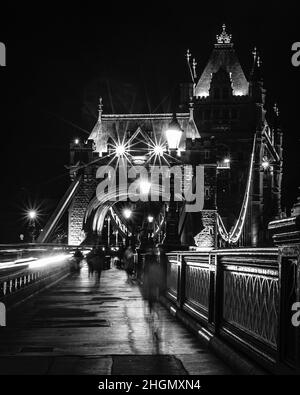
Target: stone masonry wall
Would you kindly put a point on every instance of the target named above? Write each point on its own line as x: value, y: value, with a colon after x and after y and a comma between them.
x: 77, y: 210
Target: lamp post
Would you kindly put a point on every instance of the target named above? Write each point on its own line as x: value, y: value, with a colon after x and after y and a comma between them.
x: 108, y: 231
x: 150, y: 222
x: 171, y: 239
x: 32, y: 214
x: 127, y: 214
x: 173, y: 134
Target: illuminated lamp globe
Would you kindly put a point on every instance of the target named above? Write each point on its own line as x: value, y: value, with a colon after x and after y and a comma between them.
x: 173, y: 134
x: 158, y: 150
x: 120, y: 150
x: 150, y: 219
x: 127, y: 213
x: 265, y: 164
x: 32, y: 214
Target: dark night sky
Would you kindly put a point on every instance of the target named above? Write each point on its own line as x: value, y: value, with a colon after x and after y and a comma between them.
x: 54, y: 54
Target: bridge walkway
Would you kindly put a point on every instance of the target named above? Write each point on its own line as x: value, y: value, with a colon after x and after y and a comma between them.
x: 81, y: 327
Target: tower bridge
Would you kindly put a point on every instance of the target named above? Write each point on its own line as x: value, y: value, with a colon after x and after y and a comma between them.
x: 231, y: 264
x: 226, y: 130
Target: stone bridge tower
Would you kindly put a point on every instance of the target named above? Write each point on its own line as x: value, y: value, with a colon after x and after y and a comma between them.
x: 225, y: 114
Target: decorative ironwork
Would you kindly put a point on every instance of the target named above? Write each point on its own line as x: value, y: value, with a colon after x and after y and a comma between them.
x: 197, y: 285
x: 250, y: 302
x: 172, y: 277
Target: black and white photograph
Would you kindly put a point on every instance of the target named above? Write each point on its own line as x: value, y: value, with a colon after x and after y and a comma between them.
x: 150, y: 194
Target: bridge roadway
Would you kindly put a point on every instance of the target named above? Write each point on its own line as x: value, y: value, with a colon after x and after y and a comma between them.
x: 80, y: 327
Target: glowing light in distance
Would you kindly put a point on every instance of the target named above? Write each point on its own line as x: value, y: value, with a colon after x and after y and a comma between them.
x: 226, y: 160
x: 127, y: 213
x: 145, y: 187
x: 76, y: 141
x: 120, y: 150
x: 238, y: 93
x: 158, y: 150
x: 32, y: 214
x: 204, y: 94
x: 48, y: 261
x: 265, y: 164
x: 150, y: 219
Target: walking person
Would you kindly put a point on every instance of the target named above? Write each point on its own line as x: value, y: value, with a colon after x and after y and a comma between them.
x: 89, y: 259
x: 151, y: 290
x: 128, y: 263
x: 78, y: 256
x: 98, y: 263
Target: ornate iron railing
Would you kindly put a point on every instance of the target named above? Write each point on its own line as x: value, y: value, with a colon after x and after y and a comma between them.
x: 235, y: 295
x: 39, y: 266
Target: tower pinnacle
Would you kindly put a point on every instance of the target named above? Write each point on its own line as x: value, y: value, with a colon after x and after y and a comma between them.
x: 100, y: 108
x: 224, y: 37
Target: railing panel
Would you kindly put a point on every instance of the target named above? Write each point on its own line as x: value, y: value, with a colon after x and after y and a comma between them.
x: 197, y: 288
x: 21, y: 279
x: 251, y: 302
x: 173, y: 272
x: 234, y: 294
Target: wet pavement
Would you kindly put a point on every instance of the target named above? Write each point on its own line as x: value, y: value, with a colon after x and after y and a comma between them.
x: 80, y: 326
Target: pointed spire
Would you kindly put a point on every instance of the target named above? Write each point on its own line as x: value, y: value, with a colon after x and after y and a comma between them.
x: 256, y: 67
x: 188, y: 55
x: 276, y: 109
x: 224, y: 37
x: 194, y: 68
x: 259, y: 61
x: 276, y: 117
x: 100, y: 109
x: 254, y: 53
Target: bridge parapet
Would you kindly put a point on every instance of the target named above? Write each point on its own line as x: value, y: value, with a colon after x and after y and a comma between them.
x: 235, y: 296
x: 286, y: 235
x: 36, y: 267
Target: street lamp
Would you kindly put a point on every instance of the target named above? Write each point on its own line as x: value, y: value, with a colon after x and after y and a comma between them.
x: 127, y: 213
x: 32, y: 215
x: 150, y: 219
x: 173, y: 134
x: 120, y: 150
x: 171, y: 240
x: 265, y: 163
x: 158, y: 150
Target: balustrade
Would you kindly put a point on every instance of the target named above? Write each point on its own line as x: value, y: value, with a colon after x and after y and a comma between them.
x: 237, y: 296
